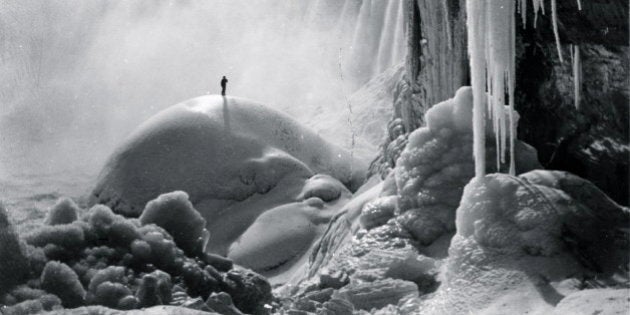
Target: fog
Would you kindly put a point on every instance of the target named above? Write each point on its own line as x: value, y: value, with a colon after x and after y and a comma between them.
x: 80, y: 75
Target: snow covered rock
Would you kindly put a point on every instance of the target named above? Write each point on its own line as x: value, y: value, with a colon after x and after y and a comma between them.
x: 518, y: 246
x: 63, y: 212
x: 174, y: 213
x: 60, y: 280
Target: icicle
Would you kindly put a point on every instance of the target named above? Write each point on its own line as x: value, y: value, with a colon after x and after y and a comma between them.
x: 511, y: 78
x: 500, y: 28
x: 539, y: 5
x: 577, y: 75
x: 554, y: 21
x: 579, y: 3
x: 491, y: 46
x: 523, y: 10
x: 476, y: 49
x: 447, y: 22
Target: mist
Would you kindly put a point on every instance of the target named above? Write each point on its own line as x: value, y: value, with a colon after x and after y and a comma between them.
x: 80, y: 75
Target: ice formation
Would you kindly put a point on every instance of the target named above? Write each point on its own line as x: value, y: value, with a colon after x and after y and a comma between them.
x: 530, y: 242
x: 491, y: 47
x: 576, y: 63
x: 389, y: 245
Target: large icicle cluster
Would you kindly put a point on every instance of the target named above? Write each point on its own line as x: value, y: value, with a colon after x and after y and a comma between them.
x: 491, y: 33
x: 491, y: 46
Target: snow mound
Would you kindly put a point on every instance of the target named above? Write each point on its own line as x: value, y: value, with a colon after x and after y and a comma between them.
x: 282, y: 236
x: 221, y: 148
x: 245, y: 168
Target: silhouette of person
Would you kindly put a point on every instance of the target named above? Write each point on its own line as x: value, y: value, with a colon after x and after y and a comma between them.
x: 224, y: 82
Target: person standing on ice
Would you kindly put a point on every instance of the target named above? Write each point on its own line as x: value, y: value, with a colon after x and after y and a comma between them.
x: 224, y: 82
